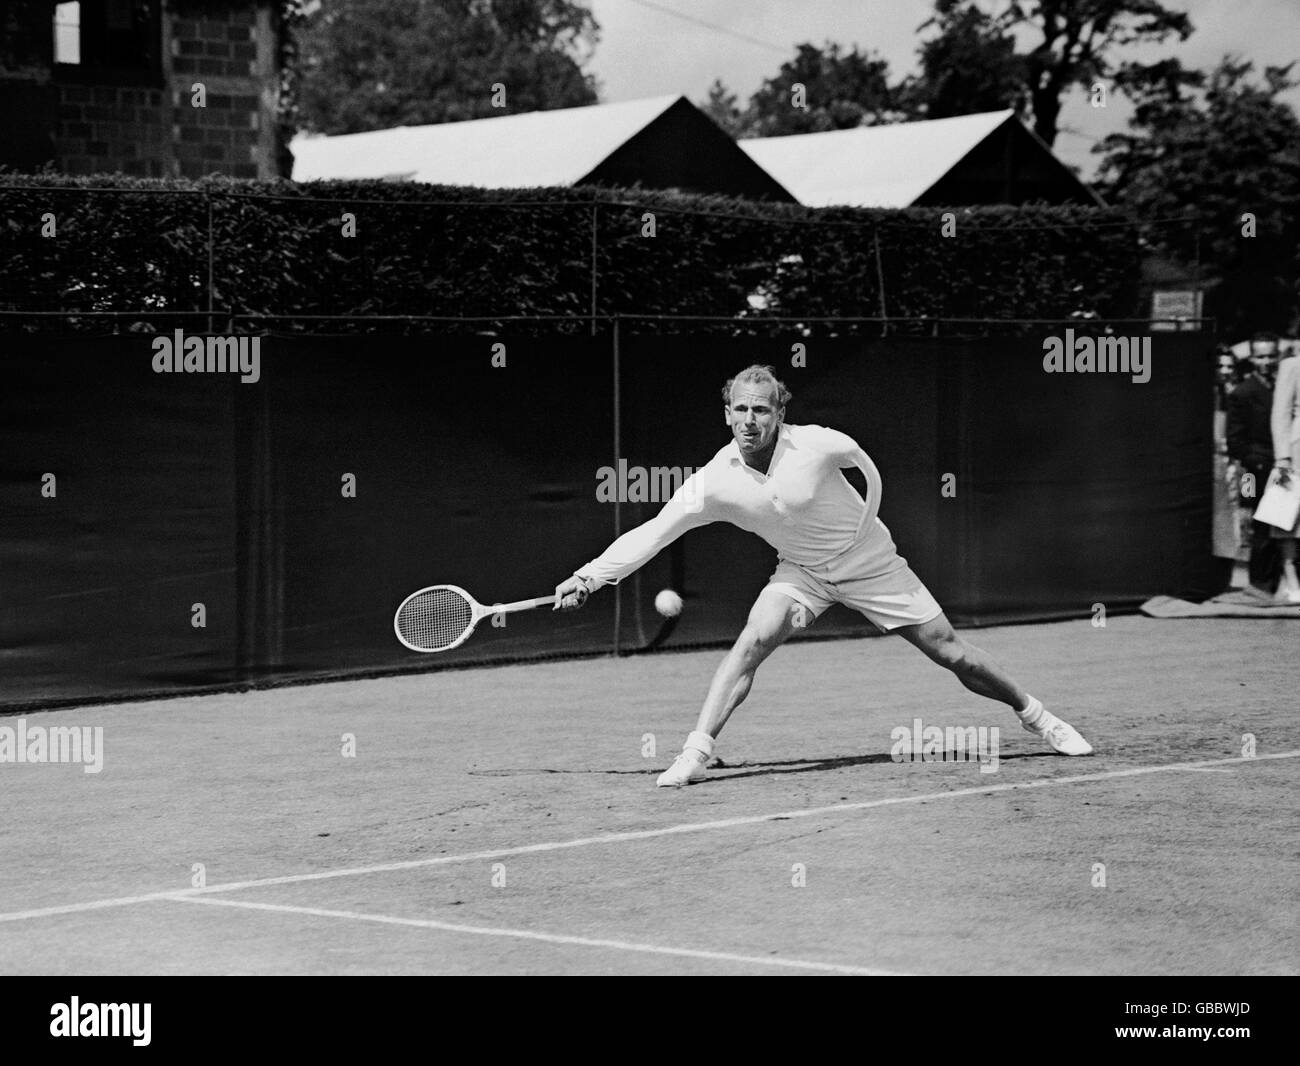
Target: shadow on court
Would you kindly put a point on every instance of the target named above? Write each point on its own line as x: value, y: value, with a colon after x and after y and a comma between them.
x: 736, y: 771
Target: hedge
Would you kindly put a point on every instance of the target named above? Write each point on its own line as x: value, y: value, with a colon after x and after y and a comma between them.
x: 279, y: 248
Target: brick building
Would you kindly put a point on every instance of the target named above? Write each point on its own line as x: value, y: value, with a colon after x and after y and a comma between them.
x: 151, y: 88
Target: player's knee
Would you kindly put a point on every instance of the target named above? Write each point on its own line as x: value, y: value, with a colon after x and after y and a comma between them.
x: 955, y: 654
x: 757, y: 642
x: 750, y: 640
x: 769, y: 622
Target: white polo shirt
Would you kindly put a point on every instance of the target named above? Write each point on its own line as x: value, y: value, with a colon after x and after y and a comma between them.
x: 803, y: 507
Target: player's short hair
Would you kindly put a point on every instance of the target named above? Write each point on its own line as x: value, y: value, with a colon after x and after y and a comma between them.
x: 758, y: 375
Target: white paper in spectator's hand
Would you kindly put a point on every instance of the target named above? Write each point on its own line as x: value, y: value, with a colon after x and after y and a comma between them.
x: 1279, y: 506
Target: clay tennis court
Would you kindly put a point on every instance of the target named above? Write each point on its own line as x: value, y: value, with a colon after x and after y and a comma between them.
x: 533, y: 777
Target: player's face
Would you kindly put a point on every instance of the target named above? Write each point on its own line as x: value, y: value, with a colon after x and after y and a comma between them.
x: 754, y: 417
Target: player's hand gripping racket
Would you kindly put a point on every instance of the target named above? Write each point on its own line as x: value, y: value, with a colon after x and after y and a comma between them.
x: 442, y: 617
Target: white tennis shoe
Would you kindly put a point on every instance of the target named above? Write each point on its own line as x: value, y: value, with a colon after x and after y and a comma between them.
x: 1061, y: 736
x: 687, y: 767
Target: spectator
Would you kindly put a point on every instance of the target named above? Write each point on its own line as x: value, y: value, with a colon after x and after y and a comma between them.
x: 1230, y: 374
x: 1250, y: 443
x: 1228, y: 539
x: 1286, y: 453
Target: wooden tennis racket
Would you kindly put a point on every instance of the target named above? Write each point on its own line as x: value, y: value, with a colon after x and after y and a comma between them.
x: 442, y: 617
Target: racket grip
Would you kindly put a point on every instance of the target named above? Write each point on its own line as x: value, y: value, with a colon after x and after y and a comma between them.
x: 525, y: 605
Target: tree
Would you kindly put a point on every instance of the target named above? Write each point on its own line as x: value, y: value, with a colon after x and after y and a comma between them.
x: 1073, y: 43
x: 985, y: 56
x: 823, y: 89
x: 971, y: 66
x: 1078, y: 37
x: 1216, y: 149
x: 374, y: 64
x: 721, y: 106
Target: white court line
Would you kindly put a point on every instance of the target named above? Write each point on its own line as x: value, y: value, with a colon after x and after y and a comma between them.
x: 639, y: 834
x: 549, y: 938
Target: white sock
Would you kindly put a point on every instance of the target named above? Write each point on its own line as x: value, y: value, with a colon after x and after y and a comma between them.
x: 1034, y: 715
x: 701, y: 742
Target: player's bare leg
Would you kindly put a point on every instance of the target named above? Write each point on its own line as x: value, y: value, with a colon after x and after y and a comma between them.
x: 974, y: 668
x: 980, y: 673
x: 772, y: 619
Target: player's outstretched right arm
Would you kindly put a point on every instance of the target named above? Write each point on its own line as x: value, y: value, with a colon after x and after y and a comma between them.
x: 687, y: 509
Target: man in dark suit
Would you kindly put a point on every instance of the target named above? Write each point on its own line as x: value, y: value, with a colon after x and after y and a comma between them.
x: 1250, y: 443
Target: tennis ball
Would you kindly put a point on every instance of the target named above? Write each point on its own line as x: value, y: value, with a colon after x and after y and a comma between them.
x: 668, y: 603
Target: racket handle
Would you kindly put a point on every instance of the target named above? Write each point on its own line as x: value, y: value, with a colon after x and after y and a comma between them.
x: 523, y: 605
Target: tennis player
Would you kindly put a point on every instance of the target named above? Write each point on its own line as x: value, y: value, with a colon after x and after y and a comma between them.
x: 783, y: 482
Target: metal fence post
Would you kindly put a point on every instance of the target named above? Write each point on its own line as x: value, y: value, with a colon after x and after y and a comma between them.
x: 618, y: 447
x: 594, y: 223
x: 207, y: 194
x: 880, y: 282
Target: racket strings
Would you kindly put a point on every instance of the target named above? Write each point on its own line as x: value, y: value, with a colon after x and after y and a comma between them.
x: 435, y: 619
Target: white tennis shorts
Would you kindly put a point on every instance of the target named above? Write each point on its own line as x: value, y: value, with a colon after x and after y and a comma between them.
x: 893, y: 599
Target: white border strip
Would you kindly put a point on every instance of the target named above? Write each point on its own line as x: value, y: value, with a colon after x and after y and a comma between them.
x: 641, y: 834
x: 549, y: 938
